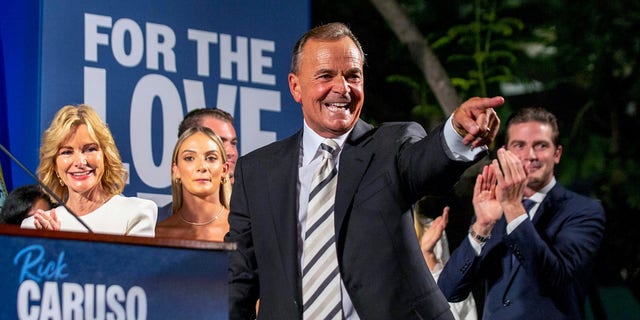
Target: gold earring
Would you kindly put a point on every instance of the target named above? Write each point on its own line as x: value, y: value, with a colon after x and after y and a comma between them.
x: 60, y: 180
x: 223, y: 180
x: 178, y: 181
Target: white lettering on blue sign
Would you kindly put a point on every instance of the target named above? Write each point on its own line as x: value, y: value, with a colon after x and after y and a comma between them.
x: 68, y: 300
x: 131, y: 44
x: 128, y: 44
x: 75, y: 301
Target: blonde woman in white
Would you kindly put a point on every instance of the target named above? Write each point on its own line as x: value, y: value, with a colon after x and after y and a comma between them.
x: 81, y: 165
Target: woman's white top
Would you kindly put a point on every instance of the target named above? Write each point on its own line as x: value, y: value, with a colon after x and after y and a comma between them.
x: 129, y: 216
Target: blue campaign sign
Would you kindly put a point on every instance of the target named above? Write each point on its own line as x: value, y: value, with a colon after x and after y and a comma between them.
x: 143, y: 64
x: 58, y: 278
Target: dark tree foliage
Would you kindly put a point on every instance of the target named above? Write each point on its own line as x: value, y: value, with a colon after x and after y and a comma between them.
x: 585, y: 57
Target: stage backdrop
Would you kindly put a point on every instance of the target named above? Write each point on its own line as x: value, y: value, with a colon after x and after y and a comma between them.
x: 143, y: 64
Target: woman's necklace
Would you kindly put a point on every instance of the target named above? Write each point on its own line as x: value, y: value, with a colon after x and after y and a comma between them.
x: 202, y: 223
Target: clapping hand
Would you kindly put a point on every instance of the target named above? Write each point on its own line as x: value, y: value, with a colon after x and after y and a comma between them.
x: 485, y: 204
x: 430, y: 237
x: 44, y: 221
x: 511, y: 182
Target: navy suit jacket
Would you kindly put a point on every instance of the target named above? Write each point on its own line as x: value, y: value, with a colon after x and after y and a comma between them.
x: 382, y: 172
x: 551, y: 274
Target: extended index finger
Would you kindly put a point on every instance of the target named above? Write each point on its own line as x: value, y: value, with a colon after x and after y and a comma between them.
x: 475, y: 109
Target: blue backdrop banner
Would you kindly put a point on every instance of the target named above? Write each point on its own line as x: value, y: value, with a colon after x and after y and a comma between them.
x: 143, y: 64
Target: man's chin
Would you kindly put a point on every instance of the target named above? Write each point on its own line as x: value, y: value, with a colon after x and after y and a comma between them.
x: 341, y: 126
x: 534, y: 183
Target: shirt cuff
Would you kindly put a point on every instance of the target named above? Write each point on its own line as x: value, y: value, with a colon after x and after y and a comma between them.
x: 516, y: 222
x: 456, y: 150
x: 477, y: 246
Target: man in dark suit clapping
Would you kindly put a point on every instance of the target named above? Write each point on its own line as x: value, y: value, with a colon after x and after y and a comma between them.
x: 532, y: 241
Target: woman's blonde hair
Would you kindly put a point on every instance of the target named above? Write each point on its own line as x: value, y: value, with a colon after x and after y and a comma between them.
x: 176, y: 186
x: 64, y: 123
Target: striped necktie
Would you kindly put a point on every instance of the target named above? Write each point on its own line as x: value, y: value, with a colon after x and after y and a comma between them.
x: 321, y: 294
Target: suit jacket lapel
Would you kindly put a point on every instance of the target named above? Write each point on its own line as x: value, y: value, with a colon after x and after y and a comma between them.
x: 282, y: 184
x: 354, y: 161
x: 501, y: 227
x: 547, y: 210
x: 544, y: 213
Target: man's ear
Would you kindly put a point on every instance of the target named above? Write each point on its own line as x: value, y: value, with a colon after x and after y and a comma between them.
x: 557, y: 154
x: 294, y: 87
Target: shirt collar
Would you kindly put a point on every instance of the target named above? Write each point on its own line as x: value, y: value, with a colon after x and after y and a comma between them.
x: 311, y: 141
x: 540, y: 195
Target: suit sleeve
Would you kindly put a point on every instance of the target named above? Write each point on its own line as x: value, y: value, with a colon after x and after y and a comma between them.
x: 563, y: 251
x: 243, y: 275
x: 460, y: 273
x: 424, y: 164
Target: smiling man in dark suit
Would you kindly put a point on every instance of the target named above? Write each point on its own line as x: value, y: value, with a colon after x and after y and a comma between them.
x: 535, y: 260
x: 379, y: 174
